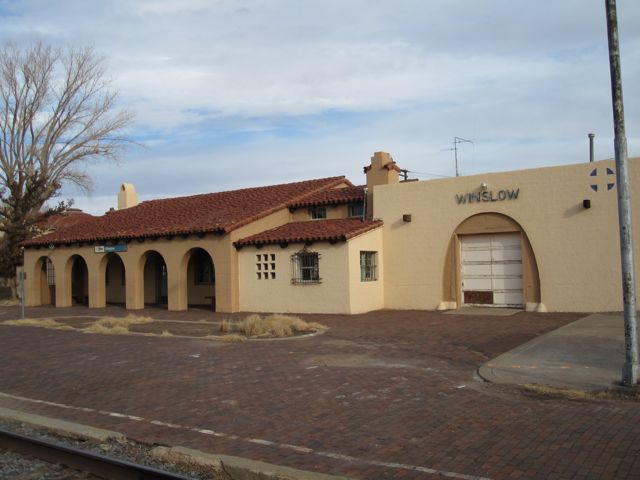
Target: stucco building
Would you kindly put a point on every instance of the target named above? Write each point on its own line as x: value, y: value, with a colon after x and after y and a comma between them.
x: 542, y: 239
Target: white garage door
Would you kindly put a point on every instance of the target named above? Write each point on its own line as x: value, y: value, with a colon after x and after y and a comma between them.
x: 491, y: 270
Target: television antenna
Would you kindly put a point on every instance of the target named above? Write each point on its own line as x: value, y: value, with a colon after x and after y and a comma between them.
x: 456, y: 142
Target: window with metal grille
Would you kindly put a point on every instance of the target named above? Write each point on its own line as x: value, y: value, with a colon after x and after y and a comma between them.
x: 318, y: 213
x: 306, y: 267
x: 51, y: 273
x: 368, y: 266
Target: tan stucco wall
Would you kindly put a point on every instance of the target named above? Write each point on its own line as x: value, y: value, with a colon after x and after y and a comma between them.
x: 577, y: 249
x: 181, y: 288
x: 369, y: 295
x: 280, y: 295
x: 340, y: 290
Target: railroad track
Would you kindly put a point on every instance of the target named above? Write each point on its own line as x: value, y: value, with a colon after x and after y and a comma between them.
x: 98, y: 465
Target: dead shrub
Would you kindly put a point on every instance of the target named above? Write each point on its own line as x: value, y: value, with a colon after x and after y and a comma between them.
x: 226, y: 326
x: 233, y: 338
x: 39, y: 322
x: 115, y: 325
x: 276, y: 325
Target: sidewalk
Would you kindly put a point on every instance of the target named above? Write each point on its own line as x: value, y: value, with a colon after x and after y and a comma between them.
x: 587, y: 354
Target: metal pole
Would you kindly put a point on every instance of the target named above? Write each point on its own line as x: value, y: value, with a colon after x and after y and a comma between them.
x: 630, y: 368
x: 591, y: 137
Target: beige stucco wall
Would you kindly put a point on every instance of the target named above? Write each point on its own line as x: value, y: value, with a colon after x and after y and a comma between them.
x: 577, y: 249
x: 369, y: 295
x: 340, y: 290
x: 280, y: 295
x: 175, y: 252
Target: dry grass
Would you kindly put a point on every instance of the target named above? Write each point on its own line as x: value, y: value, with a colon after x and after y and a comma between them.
x: 226, y: 326
x: 233, y: 338
x: 276, y: 326
x: 39, y: 322
x: 13, y: 302
x: 166, y: 333
x: 115, y: 325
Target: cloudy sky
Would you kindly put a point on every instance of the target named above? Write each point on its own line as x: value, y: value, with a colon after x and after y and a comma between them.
x: 236, y: 93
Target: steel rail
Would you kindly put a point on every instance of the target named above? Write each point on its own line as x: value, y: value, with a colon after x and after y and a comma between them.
x: 95, y: 463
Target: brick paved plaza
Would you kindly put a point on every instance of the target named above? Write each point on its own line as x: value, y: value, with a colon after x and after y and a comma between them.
x: 382, y: 395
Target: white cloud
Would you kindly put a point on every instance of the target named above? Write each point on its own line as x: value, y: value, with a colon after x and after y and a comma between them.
x: 234, y: 93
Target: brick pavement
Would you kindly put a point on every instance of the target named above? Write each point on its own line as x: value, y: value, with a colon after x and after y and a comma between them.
x: 381, y: 388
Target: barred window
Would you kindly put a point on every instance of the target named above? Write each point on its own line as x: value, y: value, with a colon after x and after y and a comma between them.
x: 356, y: 210
x: 368, y: 266
x: 318, y: 213
x: 306, y: 267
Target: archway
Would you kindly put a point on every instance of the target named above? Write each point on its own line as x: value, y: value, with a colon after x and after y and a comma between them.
x: 155, y: 279
x: 490, y: 261
x: 200, y: 279
x: 79, y: 281
x: 115, y: 280
x: 45, y: 281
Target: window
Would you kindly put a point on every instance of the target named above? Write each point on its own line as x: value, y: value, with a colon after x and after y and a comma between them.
x: 368, y: 266
x: 202, y: 269
x: 356, y: 210
x: 318, y: 213
x: 266, y: 266
x: 51, y: 272
x: 306, y: 267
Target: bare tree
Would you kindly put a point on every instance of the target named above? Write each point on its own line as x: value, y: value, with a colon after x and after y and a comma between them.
x: 57, y: 112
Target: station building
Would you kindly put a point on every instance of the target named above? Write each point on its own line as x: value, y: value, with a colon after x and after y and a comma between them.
x: 542, y: 239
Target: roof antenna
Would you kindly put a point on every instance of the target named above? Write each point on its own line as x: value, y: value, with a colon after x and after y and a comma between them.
x: 456, y: 141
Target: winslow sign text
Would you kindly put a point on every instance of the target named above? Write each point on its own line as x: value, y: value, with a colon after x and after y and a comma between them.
x: 487, y: 196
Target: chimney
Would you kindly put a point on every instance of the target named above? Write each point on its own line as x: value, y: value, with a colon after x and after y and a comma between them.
x: 382, y: 171
x: 127, y: 196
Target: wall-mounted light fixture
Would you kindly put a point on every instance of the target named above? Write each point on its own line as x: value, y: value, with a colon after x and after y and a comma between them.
x: 483, y: 187
x: 586, y: 203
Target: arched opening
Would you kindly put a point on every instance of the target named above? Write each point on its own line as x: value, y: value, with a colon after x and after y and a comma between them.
x: 45, y: 275
x: 155, y: 280
x: 79, y: 281
x: 115, y: 280
x: 490, y: 262
x: 200, y: 279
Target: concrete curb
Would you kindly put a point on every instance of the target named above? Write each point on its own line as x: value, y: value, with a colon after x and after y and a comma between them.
x: 62, y: 427
x: 236, y: 468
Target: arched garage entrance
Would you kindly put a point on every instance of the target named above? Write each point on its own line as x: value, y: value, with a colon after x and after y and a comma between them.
x: 490, y: 262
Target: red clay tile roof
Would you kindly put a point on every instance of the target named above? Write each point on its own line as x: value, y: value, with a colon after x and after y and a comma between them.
x: 71, y: 217
x: 333, y: 196
x: 219, y: 212
x: 311, y: 230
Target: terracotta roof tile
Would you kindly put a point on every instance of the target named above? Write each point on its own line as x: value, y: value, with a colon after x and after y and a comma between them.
x: 219, y: 212
x: 333, y: 196
x: 66, y: 219
x: 312, y: 230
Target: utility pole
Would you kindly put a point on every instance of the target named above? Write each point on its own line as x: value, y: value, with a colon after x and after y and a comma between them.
x: 630, y: 369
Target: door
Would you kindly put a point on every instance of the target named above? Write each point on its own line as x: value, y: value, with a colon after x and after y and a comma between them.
x: 491, y: 268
